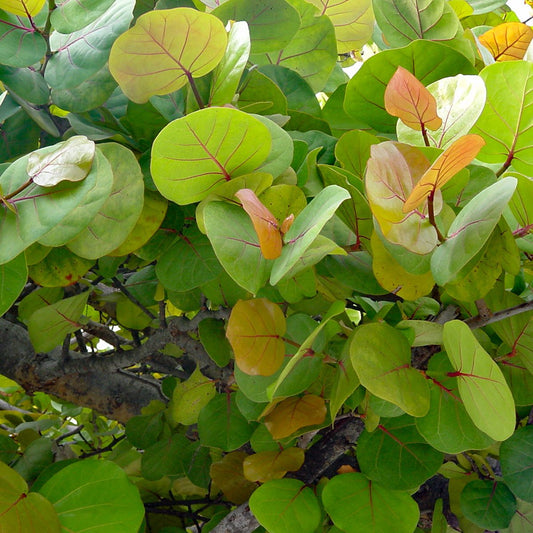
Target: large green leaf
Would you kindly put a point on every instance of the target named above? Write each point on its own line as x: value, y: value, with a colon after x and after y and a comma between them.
x: 59, y: 268
x: 447, y: 426
x: 71, y: 15
x: 270, y: 29
x: 460, y: 101
x: 80, y: 54
x: 22, y: 511
x: 404, y: 21
x: 516, y: 458
x: 20, y: 44
x: 236, y: 245
x: 427, y: 60
x: 49, y: 205
x: 179, y: 58
x: 120, y: 212
x: 13, y: 277
x: 358, y: 505
x: 504, y: 123
x: 49, y: 325
x: 25, y: 83
x: 164, y: 458
x: 193, y: 154
x: 286, y: 506
x: 470, y: 230
x: 381, y: 357
x: 306, y: 228
x: 396, y: 455
x: 314, y: 44
x: 483, y: 389
x: 95, y: 495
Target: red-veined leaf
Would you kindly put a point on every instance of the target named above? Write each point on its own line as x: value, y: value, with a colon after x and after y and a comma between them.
x: 448, y: 164
x: 508, y: 41
x: 25, y: 8
x: 255, y: 330
x: 265, y: 224
x: 407, y: 99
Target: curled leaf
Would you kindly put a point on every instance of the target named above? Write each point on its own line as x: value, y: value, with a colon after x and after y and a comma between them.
x: 407, y: 99
x: 508, y: 41
x: 265, y: 224
x: 71, y: 161
x: 448, y: 164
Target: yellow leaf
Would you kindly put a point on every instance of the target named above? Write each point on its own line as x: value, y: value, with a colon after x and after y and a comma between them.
x: 22, y: 7
x: 255, y: 332
x: 407, y: 99
x: 456, y: 157
x: 264, y: 466
x: 294, y: 413
x: 228, y: 476
x: 508, y: 41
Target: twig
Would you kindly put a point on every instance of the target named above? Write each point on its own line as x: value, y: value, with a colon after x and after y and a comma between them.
x: 106, y: 334
x: 107, y: 448
x: 480, y: 321
x: 132, y: 298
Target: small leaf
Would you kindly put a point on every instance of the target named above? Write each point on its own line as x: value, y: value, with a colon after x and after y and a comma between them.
x: 264, y: 466
x: 72, y: 161
x: 178, y: 57
x: 508, y: 41
x: 483, y: 389
x: 255, y: 331
x: 265, y: 224
x: 295, y: 413
x: 448, y: 164
x: 286, y: 506
x: 406, y: 98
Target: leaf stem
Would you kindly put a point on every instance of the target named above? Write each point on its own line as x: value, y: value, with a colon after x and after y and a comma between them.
x: 425, y: 134
x: 195, y: 91
x: 506, y: 165
x: 431, y: 215
x: 19, y: 190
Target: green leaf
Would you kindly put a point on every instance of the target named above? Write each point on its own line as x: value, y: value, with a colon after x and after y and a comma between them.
x: 193, y: 154
x: 460, y: 101
x: 25, y: 83
x: 306, y: 228
x: 227, y: 75
x: 381, y: 357
x: 49, y: 325
x: 358, y: 505
x: 488, y: 504
x: 282, y: 151
x: 504, y: 121
x: 13, y: 277
x: 20, y: 44
x: 179, y: 58
x: 483, y: 389
x: 396, y: 455
x: 516, y: 458
x: 213, y: 338
x: 285, y: 506
x: 470, y: 230
x: 164, y: 458
x: 144, y: 430
x: 23, y: 511
x: 71, y: 16
x: 104, y: 501
x: 429, y: 61
x: 447, y: 425
x: 270, y: 29
x: 221, y: 424
x: 59, y: 268
x: 120, y: 212
x: 79, y: 55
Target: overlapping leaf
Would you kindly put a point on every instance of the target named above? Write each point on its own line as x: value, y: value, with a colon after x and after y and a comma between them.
x: 24, y: 8
x: 162, y: 38
x: 255, y: 331
x: 483, y: 389
x: 508, y: 41
x: 59, y: 268
x: 73, y: 15
x: 195, y: 153
x: 13, y: 277
x: 268, y: 465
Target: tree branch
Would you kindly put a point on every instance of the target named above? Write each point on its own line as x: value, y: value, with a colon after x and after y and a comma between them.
x: 483, y: 320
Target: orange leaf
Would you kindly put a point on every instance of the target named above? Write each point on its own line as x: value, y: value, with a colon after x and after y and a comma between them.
x: 508, y: 41
x: 294, y: 413
x: 264, y: 466
x: 407, y: 99
x: 255, y: 332
x: 456, y: 157
x: 265, y: 224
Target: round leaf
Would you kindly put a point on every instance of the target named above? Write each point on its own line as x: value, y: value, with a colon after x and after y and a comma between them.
x: 227, y: 474
x: 13, y: 277
x: 286, y: 506
x: 106, y: 501
x: 162, y: 38
x: 194, y: 153
x: 264, y: 466
x: 20, y: 44
x: 59, y: 268
x: 357, y: 505
x: 516, y: 457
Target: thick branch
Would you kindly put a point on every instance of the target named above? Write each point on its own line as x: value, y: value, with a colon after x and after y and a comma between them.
x: 483, y: 320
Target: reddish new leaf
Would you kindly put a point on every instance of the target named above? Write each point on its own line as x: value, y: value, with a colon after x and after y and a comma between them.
x: 294, y: 413
x: 407, y: 99
x: 265, y: 224
x: 508, y: 41
x: 456, y: 157
x: 255, y: 332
